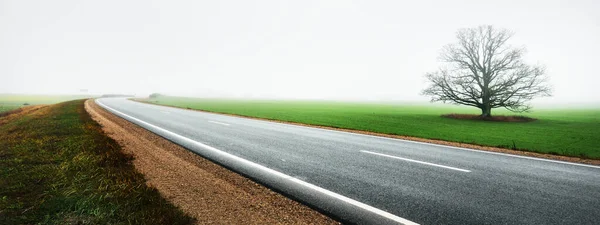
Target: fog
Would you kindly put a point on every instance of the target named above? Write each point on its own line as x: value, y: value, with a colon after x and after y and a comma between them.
x: 341, y: 50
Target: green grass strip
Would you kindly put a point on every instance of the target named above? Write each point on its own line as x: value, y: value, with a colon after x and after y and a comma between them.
x: 570, y: 132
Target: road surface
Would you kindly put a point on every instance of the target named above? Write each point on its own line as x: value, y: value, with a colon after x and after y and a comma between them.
x: 373, y: 180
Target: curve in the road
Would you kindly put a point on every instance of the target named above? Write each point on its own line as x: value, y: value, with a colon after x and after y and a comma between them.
x: 373, y: 180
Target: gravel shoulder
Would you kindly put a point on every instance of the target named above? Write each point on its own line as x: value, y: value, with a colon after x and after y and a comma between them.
x: 206, y: 191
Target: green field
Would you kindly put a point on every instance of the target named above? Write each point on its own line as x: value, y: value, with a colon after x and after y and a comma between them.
x: 4, y: 108
x: 58, y: 167
x: 571, y: 132
x: 14, y: 101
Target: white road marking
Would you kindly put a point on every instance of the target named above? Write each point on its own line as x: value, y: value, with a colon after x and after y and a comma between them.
x: 224, y: 124
x: 276, y: 173
x: 416, y: 161
x: 422, y: 143
x: 409, y: 141
x: 165, y: 112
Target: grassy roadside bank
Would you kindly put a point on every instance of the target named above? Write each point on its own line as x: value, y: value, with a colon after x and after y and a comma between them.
x: 568, y: 132
x: 14, y: 101
x: 58, y: 167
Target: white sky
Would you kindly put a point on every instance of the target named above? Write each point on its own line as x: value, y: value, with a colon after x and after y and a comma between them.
x: 358, y: 50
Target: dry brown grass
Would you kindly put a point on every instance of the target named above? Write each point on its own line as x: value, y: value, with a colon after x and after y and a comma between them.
x: 16, y: 113
x: 6, y: 113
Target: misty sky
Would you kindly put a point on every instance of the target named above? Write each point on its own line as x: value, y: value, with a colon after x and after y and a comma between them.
x: 354, y: 50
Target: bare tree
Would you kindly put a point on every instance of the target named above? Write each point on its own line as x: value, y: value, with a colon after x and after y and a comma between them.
x: 483, y: 71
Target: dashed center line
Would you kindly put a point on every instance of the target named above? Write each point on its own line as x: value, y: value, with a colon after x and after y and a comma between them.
x: 165, y: 112
x: 224, y: 124
x: 416, y: 161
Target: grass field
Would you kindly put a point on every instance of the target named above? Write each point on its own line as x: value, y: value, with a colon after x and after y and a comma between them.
x: 571, y: 132
x: 4, y: 108
x: 58, y: 167
x: 14, y: 101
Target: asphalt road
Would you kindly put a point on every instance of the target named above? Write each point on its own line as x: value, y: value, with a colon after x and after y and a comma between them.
x: 367, y: 179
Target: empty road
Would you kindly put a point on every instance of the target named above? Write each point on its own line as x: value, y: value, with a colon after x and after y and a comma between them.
x: 374, y: 180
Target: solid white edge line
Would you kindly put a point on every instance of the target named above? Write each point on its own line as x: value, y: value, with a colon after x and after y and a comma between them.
x: 224, y: 124
x: 404, y: 140
x: 277, y: 173
x: 416, y: 161
x: 416, y: 142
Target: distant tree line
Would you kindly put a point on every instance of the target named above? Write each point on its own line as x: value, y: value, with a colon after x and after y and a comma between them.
x: 155, y: 95
x: 116, y: 95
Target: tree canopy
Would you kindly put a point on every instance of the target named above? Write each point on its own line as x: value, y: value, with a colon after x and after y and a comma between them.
x: 482, y: 70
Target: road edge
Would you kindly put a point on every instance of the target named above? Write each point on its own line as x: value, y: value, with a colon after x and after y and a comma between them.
x: 345, y: 209
x: 457, y: 145
x: 293, y: 212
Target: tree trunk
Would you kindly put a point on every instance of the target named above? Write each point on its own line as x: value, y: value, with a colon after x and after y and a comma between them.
x: 486, y: 111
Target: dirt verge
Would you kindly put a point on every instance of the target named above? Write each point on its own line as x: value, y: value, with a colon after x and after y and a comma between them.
x: 432, y: 141
x: 201, y: 188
